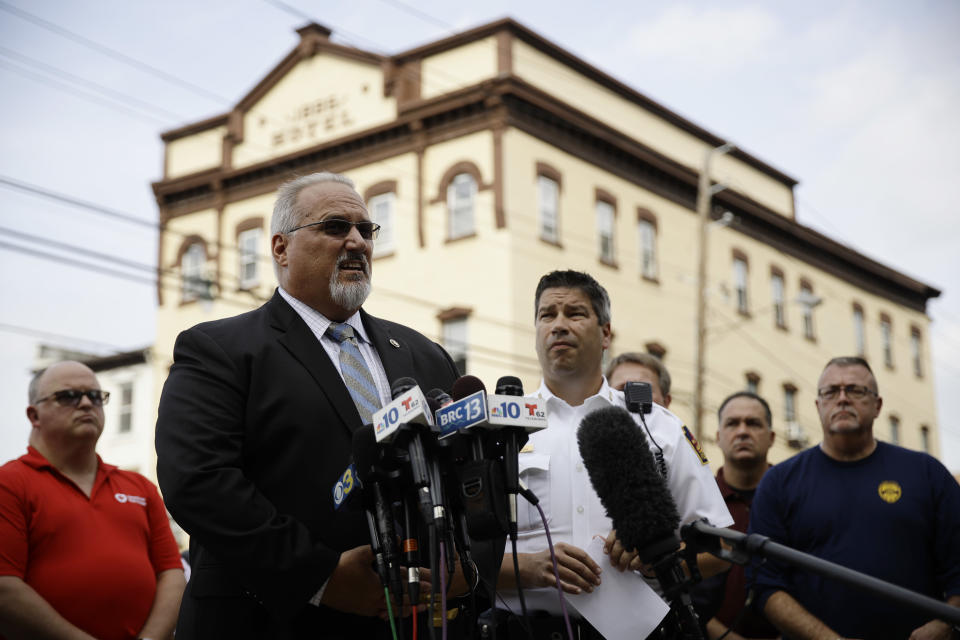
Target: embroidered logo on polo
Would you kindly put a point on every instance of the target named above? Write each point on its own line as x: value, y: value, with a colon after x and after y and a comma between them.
x: 697, y: 449
x: 126, y: 497
x: 889, y: 491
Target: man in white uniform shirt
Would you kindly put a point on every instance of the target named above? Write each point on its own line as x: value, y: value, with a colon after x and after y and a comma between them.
x: 572, y: 330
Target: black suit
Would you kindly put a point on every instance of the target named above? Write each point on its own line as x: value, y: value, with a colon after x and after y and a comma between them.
x: 254, y: 429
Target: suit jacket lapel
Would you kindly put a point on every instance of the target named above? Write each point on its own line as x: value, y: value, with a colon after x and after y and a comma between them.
x: 394, y: 354
x: 297, y: 338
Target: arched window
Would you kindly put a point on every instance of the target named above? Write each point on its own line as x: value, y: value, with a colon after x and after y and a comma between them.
x: 193, y: 262
x: 647, y: 237
x: 461, y: 197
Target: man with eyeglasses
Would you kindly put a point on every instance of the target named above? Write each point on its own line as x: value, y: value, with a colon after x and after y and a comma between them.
x: 86, y: 549
x: 871, y: 506
x: 255, y: 427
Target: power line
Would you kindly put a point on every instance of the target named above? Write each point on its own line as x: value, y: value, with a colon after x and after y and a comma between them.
x: 47, y: 335
x: 116, y: 95
x: 50, y: 82
x: 426, y: 17
x: 112, y: 53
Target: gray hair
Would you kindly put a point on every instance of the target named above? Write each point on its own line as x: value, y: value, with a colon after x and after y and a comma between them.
x: 285, y: 214
x: 647, y: 360
x: 33, y: 390
x: 852, y: 361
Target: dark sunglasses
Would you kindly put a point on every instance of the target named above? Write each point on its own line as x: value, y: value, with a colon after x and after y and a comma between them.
x: 339, y: 228
x: 71, y: 397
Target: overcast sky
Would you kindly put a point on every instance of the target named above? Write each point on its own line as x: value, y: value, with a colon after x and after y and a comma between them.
x: 859, y: 101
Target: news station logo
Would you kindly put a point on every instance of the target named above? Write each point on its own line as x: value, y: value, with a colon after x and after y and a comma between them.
x: 344, y: 486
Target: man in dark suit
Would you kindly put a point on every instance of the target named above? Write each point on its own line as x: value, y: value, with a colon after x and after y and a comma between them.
x: 255, y: 427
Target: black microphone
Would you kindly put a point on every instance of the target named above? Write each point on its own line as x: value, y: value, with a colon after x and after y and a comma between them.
x: 481, y: 474
x: 624, y: 475
x: 372, y: 477
x: 422, y: 471
x: 513, y: 440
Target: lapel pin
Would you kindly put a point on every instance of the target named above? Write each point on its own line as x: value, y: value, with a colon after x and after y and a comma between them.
x: 394, y: 343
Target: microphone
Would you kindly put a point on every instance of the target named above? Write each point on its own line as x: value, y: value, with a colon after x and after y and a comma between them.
x: 383, y: 537
x: 480, y: 479
x: 511, y: 387
x: 625, y: 477
x: 399, y: 422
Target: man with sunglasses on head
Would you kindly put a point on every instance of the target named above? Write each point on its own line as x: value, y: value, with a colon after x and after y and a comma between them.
x: 255, y: 427
x: 86, y: 549
x: 868, y: 505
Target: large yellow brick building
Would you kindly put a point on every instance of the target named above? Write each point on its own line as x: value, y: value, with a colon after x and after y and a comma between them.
x: 494, y: 156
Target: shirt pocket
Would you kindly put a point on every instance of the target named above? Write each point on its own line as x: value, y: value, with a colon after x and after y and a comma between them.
x: 535, y: 473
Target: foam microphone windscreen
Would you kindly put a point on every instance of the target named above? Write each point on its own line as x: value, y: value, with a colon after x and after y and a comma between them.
x: 465, y: 385
x: 623, y: 473
x: 509, y: 386
x: 400, y: 385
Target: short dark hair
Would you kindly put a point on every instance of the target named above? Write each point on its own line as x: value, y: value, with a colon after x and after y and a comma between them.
x: 569, y: 279
x: 851, y: 361
x: 647, y: 360
x: 752, y: 396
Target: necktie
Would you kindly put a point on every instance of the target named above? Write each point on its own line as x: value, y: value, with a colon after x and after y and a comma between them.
x: 355, y: 373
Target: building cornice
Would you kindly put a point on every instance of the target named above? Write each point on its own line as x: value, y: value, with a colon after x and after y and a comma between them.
x: 508, y: 101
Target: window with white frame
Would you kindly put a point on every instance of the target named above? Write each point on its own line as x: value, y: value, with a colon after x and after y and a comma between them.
x: 647, y: 232
x: 806, y: 295
x: 859, y: 335
x: 455, y: 341
x: 740, y: 284
x: 777, y: 293
x: 605, y: 225
x: 790, y: 403
x: 925, y: 438
x: 886, y: 338
x: 248, y: 248
x: 191, y: 270
x: 549, y: 204
x: 382, y: 208
x: 894, y: 430
x: 461, y: 197
x: 125, y: 411
x: 753, y: 382
x: 916, y: 352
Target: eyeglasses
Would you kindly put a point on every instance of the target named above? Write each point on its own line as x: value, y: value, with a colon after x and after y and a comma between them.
x: 339, y: 228
x: 71, y: 397
x: 853, y: 391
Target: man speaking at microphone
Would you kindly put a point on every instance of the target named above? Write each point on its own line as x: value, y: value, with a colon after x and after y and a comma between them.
x: 572, y: 320
x: 255, y: 426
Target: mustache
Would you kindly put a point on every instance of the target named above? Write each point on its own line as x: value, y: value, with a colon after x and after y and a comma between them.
x: 354, y: 256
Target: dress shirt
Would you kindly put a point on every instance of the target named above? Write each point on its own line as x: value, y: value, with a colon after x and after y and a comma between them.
x: 318, y: 324
x: 552, y: 468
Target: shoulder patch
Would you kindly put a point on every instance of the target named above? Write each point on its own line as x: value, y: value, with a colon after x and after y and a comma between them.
x: 697, y: 449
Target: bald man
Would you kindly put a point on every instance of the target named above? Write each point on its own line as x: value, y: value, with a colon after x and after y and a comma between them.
x: 86, y: 550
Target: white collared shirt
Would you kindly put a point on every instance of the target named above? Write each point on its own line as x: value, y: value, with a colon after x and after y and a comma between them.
x: 551, y: 466
x: 318, y: 324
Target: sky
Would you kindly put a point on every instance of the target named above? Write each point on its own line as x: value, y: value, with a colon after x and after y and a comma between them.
x: 859, y: 101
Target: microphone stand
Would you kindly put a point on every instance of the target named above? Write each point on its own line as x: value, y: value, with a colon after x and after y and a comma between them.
x: 701, y: 536
x: 664, y: 557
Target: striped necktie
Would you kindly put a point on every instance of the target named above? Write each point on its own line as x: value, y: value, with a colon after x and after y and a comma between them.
x: 355, y: 373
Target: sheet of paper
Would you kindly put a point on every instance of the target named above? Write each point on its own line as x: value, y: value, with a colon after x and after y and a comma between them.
x: 622, y: 607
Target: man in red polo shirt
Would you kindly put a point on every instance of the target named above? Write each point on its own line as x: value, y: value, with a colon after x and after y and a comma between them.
x: 86, y: 550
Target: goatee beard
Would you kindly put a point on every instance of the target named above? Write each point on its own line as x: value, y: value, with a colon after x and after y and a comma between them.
x: 352, y: 294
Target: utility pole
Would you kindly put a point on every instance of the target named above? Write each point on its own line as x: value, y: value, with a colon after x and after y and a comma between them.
x: 705, y: 192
